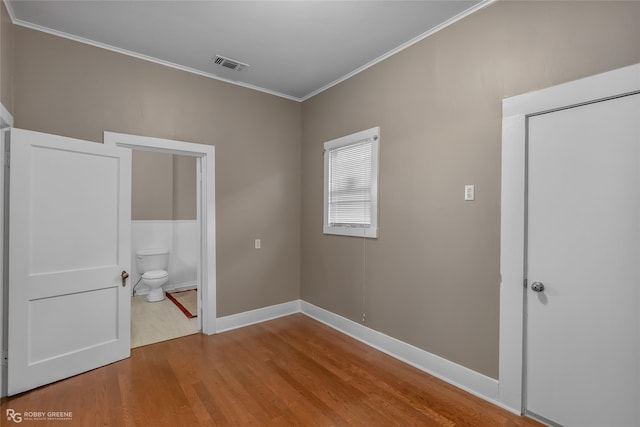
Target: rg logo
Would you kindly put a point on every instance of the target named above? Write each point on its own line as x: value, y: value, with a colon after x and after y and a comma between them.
x: 14, y: 416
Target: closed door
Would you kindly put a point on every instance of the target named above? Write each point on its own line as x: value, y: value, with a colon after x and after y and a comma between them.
x: 582, y: 345
x: 69, y: 244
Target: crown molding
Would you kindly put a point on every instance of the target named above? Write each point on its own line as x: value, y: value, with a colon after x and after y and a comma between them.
x: 10, y: 11
x: 481, y: 5
x: 169, y: 64
x: 442, y: 26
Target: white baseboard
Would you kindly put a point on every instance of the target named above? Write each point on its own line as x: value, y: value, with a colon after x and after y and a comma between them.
x: 471, y: 381
x: 181, y: 286
x: 464, y: 378
x: 247, y: 318
x: 144, y: 290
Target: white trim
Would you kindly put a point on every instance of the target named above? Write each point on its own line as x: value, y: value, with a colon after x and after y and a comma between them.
x: 259, y: 315
x: 512, y: 241
x: 3, y: 326
x: 147, y: 143
x: 164, y: 221
x: 464, y: 378
x: 206, y: 211
x: 170, y: 288
x: 6, y: 119
x: 481, y: 5
x: 12, y: 15
x: 442, y: 26
x: 599, y: 86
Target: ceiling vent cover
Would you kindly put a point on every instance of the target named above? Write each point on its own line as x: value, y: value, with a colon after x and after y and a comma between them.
x: 230, y: 63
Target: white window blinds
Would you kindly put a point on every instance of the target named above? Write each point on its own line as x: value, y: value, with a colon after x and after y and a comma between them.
x: 350, y: 184
x: 351, y: 167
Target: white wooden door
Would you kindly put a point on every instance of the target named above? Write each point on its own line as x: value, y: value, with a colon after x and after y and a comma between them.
x: 69, y: 241
x: 582, y: 350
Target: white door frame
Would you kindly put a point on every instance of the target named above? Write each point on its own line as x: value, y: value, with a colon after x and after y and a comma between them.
x: 207, y: 211
x: 515, y: 113
x: 6, y: 121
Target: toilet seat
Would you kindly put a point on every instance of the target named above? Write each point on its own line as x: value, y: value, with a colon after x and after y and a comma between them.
x: 155, y: 274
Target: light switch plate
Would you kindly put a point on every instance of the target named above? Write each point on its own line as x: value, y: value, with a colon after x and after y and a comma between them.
x: 469, y: 192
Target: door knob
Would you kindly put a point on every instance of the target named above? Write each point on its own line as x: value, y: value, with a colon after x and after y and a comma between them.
x: 124, y: 276
x: 537, y: 287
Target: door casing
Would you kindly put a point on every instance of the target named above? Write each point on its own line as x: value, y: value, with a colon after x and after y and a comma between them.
x: 6, y: 122
x: 206, y: 206
x: 516, y: 111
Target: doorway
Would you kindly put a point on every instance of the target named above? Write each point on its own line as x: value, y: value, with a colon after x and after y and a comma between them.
x: 205, y: 212
x: 163, y: 219
x: 570, y: 304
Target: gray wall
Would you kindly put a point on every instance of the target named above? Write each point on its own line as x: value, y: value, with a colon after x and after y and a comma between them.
x: 432, y: 278
x: 6, y: 63
x: 163, y: 186
x: 72, y: 89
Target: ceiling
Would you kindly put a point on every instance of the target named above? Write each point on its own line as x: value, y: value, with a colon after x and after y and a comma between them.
x: 294, y: 49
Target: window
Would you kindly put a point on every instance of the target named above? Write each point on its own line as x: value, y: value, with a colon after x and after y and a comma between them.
x: 351, y: 184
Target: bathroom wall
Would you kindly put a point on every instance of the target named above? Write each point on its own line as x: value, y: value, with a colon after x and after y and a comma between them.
x: 163, y: 210
x: 151, y: 186
x: 163, y: 186
x: 182, y: 240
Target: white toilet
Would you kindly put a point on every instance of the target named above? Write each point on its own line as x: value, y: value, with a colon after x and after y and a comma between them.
x: 153, y: 264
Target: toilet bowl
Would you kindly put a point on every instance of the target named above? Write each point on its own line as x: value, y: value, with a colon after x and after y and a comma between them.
x: 152, y: 265
x: 154, y: 280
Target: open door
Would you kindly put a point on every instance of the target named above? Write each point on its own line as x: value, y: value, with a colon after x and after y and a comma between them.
x: 69, y: 248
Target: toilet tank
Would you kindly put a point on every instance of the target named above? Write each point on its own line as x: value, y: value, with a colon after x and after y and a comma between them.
x: 152, y: 259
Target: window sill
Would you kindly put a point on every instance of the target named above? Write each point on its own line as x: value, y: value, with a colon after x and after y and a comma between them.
x: 371, y: 233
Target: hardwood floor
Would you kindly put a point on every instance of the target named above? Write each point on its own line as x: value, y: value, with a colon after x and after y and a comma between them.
x: 288, y: 371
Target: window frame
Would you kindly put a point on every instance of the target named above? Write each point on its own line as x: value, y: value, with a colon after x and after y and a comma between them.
x: 345, y: 230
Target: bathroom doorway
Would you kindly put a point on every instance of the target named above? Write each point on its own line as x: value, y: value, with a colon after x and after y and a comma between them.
x: 164, y: 245
x: 161, y: 320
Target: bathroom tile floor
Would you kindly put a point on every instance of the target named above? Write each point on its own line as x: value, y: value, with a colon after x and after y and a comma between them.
x: 153, y: 322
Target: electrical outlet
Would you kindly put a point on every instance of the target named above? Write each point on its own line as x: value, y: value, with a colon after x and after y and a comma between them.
x: 257, y: 244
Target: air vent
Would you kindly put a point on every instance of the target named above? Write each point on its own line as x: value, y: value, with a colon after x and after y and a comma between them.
x: 230, y: 63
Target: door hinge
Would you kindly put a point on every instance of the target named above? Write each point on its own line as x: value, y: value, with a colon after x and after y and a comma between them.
x: 5, y: 358
x: 7, y: 159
